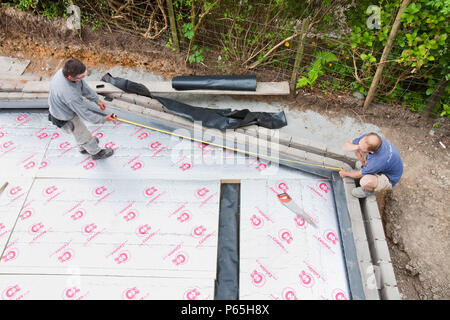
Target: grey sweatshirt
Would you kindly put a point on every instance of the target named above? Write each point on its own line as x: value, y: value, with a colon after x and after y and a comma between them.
x: 66, y: 99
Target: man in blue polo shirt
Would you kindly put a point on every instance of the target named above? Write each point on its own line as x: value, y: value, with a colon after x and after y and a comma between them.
x: 382, y: 166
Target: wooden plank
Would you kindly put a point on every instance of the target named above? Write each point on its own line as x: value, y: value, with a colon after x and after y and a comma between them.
x: 262, y: 88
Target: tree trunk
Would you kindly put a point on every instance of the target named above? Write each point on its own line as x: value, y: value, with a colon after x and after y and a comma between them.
x: 299, y: 55
x: 173, y: 25
x: 435, y: 97
x: 386, y: 51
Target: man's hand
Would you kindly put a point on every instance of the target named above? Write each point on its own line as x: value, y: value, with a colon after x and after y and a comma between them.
x: 101, y: 105
x: 343, y: 173
x: 352, y: 174
x: 110, y: 118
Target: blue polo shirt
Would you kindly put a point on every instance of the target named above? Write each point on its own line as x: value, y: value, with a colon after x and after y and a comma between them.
x: 386, y: 161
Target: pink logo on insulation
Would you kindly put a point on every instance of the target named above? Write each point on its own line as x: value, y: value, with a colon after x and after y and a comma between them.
x: 285, y: 235
x: 148, y: 192
x: 143, y: 135
x: 191, y: 294
x: 15, y: 190
x: 36, y: 227
x: 66, y: 256
x: 78, y: 214
x: 122, y: 257
x: 43, y: 164
x: 89, y: 228
x: 49, y: 191
x: 300, y: 222
x: 184, y: 216
x: 13, y: 292
x: 180, y: 258
x: 73, y: 293
x: 26, y: 214
x: 324, y: 186
x: 110, y: 145
x: 331, y: 236
x: 21, y: 117
x: 256, y: 221
x: 306, y: 279
x: 133, y: 294
x: 64, y: 145
x: 258, y: 279
x: 289, y: 294
x: 283, y: 186
x: 198, y: 231
x: 202, y: 192
x: 10, y: 254
x: 7, y: 144
x: 99, y: 191
x: 339, y: 294
x: 155, y: 145
x: 143, y: 230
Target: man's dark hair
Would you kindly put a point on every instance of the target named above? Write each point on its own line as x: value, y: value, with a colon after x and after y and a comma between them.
x: 73, y: 67
x: 374, y: 142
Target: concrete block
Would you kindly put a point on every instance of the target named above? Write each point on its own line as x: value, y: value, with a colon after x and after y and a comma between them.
x: 127, y: 97
x: 150, y: 113
x: 284, y: 139
x: 296, y: 154
x: 336, y: 152
x: 264, y: 132
x: 375, y: 230
x: 165, y: 116
x: 15, y: 96
x: 316, y: 158
x: 369, y: 280
x: 183, y: 122
x: 298, y: 143
x: 362, y: 246
x: 387, y: 274
x: 311, y: 146
x: 120, y: 104
x: 380, y: 250
x: 390, y: 293
x: 370, y: 208
x: 135, y: 108
x: 7, y: 85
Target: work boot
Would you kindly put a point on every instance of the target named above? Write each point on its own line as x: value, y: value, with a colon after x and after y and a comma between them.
x: 83, y: 151
x: 361, y: 193
x: 103, y: 154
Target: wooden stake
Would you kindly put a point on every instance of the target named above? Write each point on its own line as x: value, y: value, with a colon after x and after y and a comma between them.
x: 386, y: 51
x: 173, y: 25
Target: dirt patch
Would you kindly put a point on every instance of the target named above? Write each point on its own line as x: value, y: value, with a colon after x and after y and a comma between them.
x: 415, y: 219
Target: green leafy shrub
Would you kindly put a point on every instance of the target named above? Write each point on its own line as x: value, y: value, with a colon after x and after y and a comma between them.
x: 317, y: 68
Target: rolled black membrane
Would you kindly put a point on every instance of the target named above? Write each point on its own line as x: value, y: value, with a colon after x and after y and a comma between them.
x: 211, y: 118
x: 235, y: 83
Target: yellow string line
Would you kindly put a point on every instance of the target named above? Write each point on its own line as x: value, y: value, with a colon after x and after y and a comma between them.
x: 226, y: 147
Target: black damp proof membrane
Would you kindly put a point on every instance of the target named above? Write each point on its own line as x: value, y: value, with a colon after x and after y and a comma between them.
x: 219, y: 82
x: 221, y: 119
x: 227, y: 279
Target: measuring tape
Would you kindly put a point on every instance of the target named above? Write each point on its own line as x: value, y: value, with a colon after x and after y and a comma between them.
x: 114, y: 116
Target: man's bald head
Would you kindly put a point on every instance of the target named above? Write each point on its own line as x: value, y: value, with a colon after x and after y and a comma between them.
x: 370, y: 143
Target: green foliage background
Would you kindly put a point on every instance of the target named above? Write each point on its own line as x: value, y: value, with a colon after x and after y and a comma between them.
x: 341, y: 53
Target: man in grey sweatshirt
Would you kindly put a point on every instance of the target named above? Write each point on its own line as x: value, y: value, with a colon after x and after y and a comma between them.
x: 67, y: 107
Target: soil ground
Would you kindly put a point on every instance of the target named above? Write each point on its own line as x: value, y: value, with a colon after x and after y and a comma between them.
x: 415, y: 213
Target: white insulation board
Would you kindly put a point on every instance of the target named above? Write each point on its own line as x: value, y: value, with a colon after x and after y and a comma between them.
x: 147, y: 218
x: 282, y: 256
